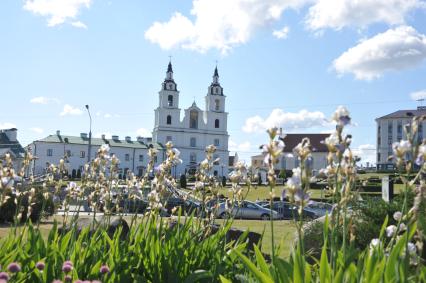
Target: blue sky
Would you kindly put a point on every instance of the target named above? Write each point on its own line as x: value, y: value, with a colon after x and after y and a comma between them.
x: 282, y: 63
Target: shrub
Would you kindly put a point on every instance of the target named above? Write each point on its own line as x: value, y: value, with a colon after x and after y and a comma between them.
x: 182, y: 181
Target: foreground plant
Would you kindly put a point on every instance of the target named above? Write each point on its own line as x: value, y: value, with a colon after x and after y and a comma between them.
x: 393, y: 256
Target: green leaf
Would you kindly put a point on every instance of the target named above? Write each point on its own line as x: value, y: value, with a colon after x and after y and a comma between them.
x: 261, y: 261
x: 224, y: 280
x: 260, y: 275
x: 198, y: 276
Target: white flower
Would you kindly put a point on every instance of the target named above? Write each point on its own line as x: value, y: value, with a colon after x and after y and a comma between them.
x: 401, y: 148
x: 391, y: 230
x: 397, y: 216
x: 341, y: 116
x: 411, y: 248
x: 402, y: 227
x: 295, y: 181
x: 374, y: 243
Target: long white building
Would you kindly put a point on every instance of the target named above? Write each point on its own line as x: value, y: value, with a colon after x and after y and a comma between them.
x: 196, y: 129
x: 133, y: 154
x: 390, y: 129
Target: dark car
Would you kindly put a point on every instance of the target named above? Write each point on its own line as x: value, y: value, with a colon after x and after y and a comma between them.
x: 187, y: 206
x: 289, y: 211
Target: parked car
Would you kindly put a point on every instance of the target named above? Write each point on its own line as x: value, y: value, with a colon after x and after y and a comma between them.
x: 246, y: 210
x: 320, y: 208
x: 287, y: 210
x: 188, y: 206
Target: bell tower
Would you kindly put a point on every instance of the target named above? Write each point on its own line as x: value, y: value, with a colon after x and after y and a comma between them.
x: 215, y: 100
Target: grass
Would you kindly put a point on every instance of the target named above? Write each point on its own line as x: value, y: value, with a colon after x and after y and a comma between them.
x: 284, y: 232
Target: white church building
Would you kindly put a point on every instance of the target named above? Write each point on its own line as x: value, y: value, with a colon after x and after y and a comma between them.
x: 190, y: 134
x: 196, y: 129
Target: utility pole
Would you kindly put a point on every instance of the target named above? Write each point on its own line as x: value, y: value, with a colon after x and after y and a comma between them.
x: 90, y: 135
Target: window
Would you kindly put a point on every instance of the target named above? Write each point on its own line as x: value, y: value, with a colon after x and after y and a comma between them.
x: 169, y: 120
x: 82, y: 154
x: 378, y: 157
x: 127, y: 157
x: 50, y: 152
x: 193, y: 142
x: 68, y: 153
x: 170, y: 100
x: 217, y: 104
x: 168, y: 139
x: 216, y: 142
x: 193, y: 157
x: 216, y: 123
x: 193, y: 119
x: 399, y: 131
x: 215, y: 90
x: 141, y: 158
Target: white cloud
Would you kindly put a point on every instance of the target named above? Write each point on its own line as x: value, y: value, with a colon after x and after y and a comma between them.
x: 242, y: 147
x: 57, y: 11
x: 37, y: 130
x: 396, y: 49
x: 359, y: 13
x: 7, y: 125
x: 418, y: 95
x: 43, y: 100
x: 367, y: 153
x: 281, y: 33
x: 70, y: 110
x: 79, y: 24
x: 218, y: 24
x: 286, y: 120
x: 107, y: 115
x: 143, y: 132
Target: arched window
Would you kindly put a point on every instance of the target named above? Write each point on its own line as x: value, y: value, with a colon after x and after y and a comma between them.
x: 217, y: 105
x: 216, y: 123
x: 170, y: 100
x: 169, y: 120
x: 193, y: 119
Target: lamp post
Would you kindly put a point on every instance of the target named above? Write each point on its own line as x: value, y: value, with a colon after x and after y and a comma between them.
x: 90, y: 135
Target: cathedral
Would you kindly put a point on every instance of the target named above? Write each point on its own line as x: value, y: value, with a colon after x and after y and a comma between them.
x: 196, y: 129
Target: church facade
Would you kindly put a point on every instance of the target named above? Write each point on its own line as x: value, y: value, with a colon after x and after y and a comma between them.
x: 196, y: 129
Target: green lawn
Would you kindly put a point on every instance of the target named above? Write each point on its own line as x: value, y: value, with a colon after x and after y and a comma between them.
x: 284, y: 231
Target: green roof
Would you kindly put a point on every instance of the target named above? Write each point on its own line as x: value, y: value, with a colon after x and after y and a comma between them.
x: 98, y: 142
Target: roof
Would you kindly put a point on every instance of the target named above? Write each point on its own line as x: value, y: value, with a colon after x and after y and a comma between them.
x: 98, y: 141
x: 8, y: 146
x: 406, y: 113
x: 317, y: 141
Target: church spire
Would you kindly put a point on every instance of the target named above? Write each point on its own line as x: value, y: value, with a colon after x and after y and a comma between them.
x: 169, y: 83
x: 169, y: 73
x: 215, y: 77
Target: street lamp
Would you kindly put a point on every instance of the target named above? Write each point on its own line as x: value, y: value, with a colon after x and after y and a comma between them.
x: 90, y: 135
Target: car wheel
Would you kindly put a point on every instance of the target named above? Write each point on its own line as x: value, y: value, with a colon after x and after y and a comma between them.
x: 224, y: 215
x: 265, y: 217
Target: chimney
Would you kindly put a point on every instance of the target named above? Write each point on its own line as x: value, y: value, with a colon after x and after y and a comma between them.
x: 140, y: 139
x: 114, y: 137
x: 83, y: 135
x: 128, y: 139
x: 11, y: 134
x: 103, y: 136
x: 58, y: 133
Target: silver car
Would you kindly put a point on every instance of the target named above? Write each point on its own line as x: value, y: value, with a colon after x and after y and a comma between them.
x: 245, y: 210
